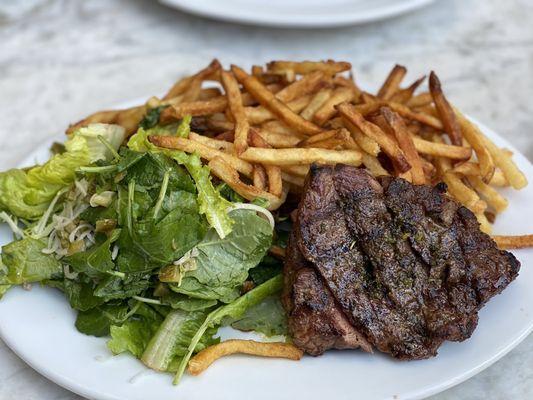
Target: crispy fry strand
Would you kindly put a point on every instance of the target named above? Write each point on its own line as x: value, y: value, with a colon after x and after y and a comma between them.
x: 406, y: 144
x: 301, y: 156
x: 392, y: 83
x: 305, y: 67
x: 489, y: 194
x: 388, y: 146
x: 236, y: 107
x: 316, y: 102
x: 513, y: 242
x: 269, y: 101
x: 273, y: 172
x: 339, y: 95
x: 447, y: 116
x: 201, y: 361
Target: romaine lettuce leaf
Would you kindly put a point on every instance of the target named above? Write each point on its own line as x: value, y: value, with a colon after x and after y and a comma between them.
x: 267, y: 317
x: 211, y: 203
x: 173, y: 338
x: 221, y: 265
x: 27, y: 193
x: 26, y: 263
x: 233, y: 310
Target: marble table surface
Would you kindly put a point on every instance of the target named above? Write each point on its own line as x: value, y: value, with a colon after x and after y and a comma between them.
x: 60, y: 59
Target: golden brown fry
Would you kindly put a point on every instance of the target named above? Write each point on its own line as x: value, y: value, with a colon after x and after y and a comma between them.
x: 298, y: 170
x: 341, y: 134
x: 484, y: 223
x: 388, y: 146
x: 444, y: 109
x: 402, y: 96
x: 429, y: 169
x: 128, y: 118
x: 406, y: 144
x: 513, y: 242
x: 228, y: 174
x: 208, y: 153
x: 269, y: 101
x: 209, y: 93
x: 300, y: 156
x: 233, y: 94
x: 316, y: 102
x: 278, y: 127
x: 258, y: 115
x: 463, y: 194
x: 259, y: 177
x: 273, y: 172
x: 489, y: 194
x: 349, y: 83
x: 420, y: 100
x: 293, y: 179
x: 308, y: 84
x: 194, y: 108
x: 339, y: 95
x: 369, y: 145
x: 471, y: 168
x: 329, y: 67
x: 475, y: 139
x: 280, y: 140
x: 214, y: 143
x: 182, y: 85
x: 201, y: 361
x: 392, y: 83
x: 512, y: 173
x: 373, y: 165
x: 442, y: 149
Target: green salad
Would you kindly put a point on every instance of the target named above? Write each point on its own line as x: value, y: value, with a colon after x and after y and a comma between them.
x: 146, y: 247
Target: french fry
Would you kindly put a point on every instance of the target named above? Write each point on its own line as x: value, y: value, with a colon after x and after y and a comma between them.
x: 339, y: 95
x: 278, y: 127
x: 374, y: 166
x: 201, y: 361
x: 259, y: 177
x: 209, y: 93
x: 489, y: 194
x: 341, y: 134
x: 258, y: 115
x: 471, y: 168
x: 228, y: 174
x: 475, y: 138
x: 273, y: 172
x: 388, y: 146
x: 128, y: 118
x: 402, y: 96
x: 214, y: 143
x: 297, y: 170
x: 419, y: 100
x: 484, y: 223
x: 442, y: 149
x: 182, y: 85
x: 300, y: 156
x: 306, y: 67
x: 406, y: 144
x: 269, y: 101
x: 194, y: 108
x: 463, y: 194
x: 367, y: 144
x: 206, y: 152
x: 279, y: 140
x: 513, y: 242
x: 445, y: 110
x: 308, y: 84
x: 293, y: 179
x: 236, y: 107
x: 392, y: 83
x: 514, y: 176
x: 316, y: 102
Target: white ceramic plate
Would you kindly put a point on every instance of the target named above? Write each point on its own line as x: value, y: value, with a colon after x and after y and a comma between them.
x: 39, y: 327
x: 298, y: 13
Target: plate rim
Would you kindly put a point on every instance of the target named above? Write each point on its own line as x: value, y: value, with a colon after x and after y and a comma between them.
x: 319, y: 20
x: 80, y: 389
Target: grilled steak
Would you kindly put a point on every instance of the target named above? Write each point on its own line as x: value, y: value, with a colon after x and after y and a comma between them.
x: 388, y: 264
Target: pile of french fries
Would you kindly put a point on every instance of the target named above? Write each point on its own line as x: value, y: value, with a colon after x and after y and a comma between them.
x: 260, y: 131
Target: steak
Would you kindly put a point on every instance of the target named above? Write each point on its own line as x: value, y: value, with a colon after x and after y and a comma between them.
x: 386, y: 264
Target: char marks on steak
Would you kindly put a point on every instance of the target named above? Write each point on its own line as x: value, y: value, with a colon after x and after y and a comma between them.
x: 386, y: 264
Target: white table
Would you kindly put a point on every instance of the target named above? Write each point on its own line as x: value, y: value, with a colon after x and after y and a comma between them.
x: 61, y: 59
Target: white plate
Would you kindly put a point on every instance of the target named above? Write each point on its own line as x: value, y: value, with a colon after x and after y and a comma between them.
x: 39, y: 327
x: 298, y: 13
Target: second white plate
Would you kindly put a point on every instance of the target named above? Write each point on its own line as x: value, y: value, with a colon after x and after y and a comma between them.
x: 298, y: 13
